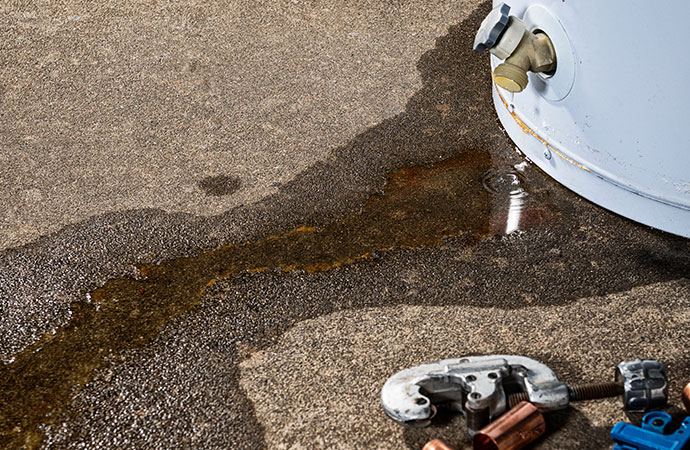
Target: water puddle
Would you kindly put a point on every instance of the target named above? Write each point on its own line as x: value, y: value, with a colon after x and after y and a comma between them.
x: 420, y: 206
x: 507, y: 186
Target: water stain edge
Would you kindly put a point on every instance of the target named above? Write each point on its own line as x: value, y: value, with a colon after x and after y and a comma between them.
x: 420, y: 206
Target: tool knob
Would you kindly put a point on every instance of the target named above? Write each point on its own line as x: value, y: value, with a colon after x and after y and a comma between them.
x: 645, y: 385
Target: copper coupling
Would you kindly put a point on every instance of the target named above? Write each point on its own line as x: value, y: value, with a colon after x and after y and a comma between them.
x: 437, y: 444
x: 513, y: 430
x: 686, y: 397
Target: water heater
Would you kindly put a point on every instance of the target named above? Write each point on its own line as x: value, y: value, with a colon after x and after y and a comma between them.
x: 596, y: 93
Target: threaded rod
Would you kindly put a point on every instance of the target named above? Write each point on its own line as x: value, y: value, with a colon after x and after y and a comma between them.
x: 579, y: 392
x: 590, y: 391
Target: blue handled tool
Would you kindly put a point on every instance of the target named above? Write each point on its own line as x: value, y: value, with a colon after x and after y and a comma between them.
x: 651, y: 435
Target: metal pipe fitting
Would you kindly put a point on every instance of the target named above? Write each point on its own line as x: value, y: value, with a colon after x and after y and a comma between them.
x: 534, y: 53
x: 513, y: 430
x: 508, y: 38
x: 686, y: 397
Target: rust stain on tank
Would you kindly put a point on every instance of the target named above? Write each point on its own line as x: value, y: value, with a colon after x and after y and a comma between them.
x: 528, y: 130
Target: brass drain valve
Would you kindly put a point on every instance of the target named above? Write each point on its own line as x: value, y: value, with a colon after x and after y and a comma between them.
x: 508, y: 38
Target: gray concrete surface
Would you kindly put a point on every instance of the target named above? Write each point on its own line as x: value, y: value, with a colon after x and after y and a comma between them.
x: 323, y: 373
x: 110, y: 107
x: 94, y: 125
x: 294, y: 359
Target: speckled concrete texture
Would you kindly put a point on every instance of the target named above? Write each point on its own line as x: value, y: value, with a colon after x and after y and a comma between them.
x: 142, y: 132
x: 38, y: 281
x: 541, y: 292
x: 133, y: 105
x: 318, y: 386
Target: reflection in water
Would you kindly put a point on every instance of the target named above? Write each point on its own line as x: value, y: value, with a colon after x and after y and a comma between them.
x: 507, y: 186
x: 517, y: 204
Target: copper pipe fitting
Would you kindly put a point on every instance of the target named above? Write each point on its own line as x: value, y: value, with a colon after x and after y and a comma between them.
x: 513, y: 430
x: 437, y: 444
x: 686, y: 397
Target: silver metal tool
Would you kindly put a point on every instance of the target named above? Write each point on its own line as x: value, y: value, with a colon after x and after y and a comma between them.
x: 484, y: 387
x: 475, y: 386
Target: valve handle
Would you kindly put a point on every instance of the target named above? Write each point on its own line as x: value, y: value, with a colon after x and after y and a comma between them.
x: 492, y: 27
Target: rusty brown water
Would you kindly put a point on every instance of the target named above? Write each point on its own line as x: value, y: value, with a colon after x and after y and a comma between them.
x: 419, y: 207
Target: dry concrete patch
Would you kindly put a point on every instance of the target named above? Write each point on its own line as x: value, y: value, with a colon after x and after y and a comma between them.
x: 319, y: 386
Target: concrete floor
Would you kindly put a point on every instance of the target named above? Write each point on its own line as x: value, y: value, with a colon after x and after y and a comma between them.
x: 133, y: 135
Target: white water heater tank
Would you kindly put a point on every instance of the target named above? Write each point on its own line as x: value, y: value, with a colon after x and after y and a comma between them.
x: 611, y: 121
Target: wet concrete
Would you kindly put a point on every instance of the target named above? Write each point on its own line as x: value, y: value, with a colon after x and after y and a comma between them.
x: 157, y: 361
x: 419, y: 206
x: 220, y: 185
